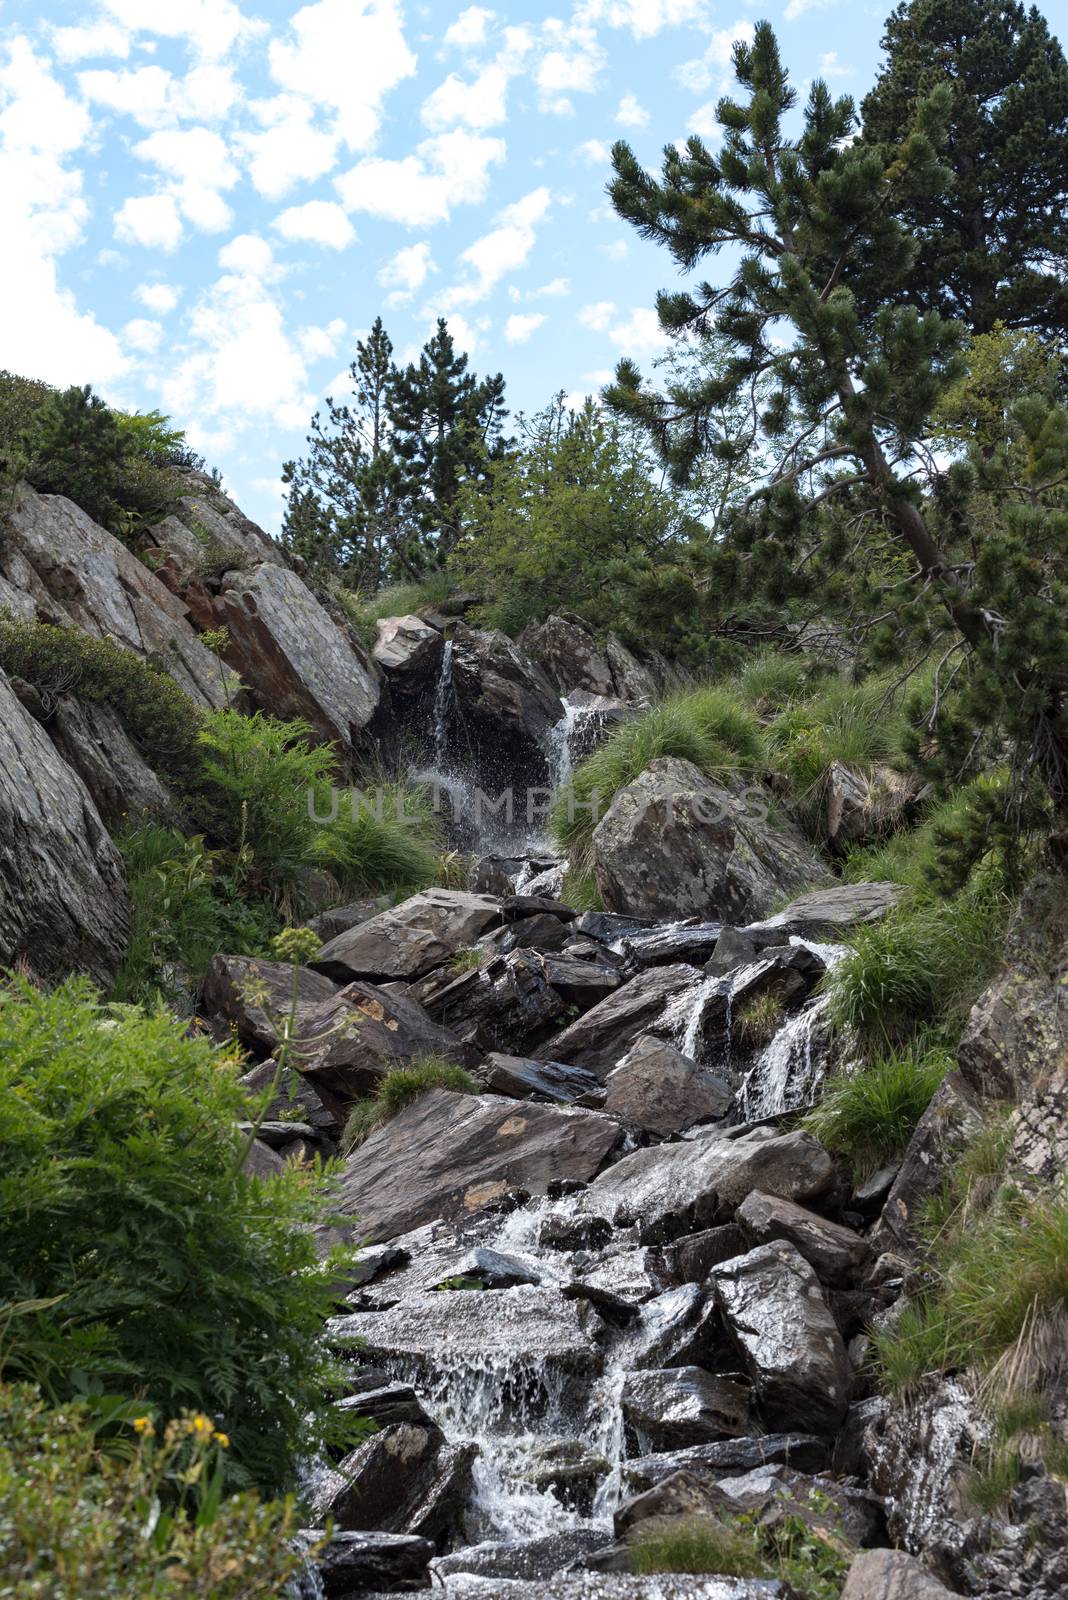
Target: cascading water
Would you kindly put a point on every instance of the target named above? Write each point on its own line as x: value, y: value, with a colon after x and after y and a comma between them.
x: 792, y: 1066
x: 444, y: 705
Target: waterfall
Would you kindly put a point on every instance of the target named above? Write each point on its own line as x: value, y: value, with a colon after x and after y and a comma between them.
x: 789, y: 1070
x: 444, y: 703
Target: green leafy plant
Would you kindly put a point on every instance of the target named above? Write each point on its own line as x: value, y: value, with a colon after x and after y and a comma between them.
x: 133, y: 1513
x: 154, y: 1262
x: 869, y: 1115
x: 397, y: 1089
x: 466, y: 960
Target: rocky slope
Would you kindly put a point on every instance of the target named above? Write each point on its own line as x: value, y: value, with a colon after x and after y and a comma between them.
x: 618, y: 1286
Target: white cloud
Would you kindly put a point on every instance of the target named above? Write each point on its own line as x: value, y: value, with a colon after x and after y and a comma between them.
x: 317, y: 343
x: 618, y: 250
x: 197, y: 164
x: 142, y: 334
x: 630, y: 113
x: 594, y: 151
x: 150, y: 220
x: 521, y: 325
x: 705, y: 123
x: 212, y: 27
x: 571, y: 64
x: 158, y: 297
x: 640, y: 334
x: 93, y: 39
x: 421, y: 189
x: 831, y: 67
x: 500, y: 251
x: 290, y: 148
x: 406, y: 272
x: 248, y: 254
x: 142, y: 93
x: 469, y: 29
x: 597, y: 316
x: 42, y: 330
x: 553, y: 290
x: 715, y: 65
x: 483, y: 103
x: 317, y: 221
x: 798, y: 8
x: 644, y: 18
x: 346, y: 55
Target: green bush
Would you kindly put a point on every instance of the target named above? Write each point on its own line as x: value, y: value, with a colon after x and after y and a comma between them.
x: 135, y: 1254
x: 923, y: 965
x: 773, y: 680
x: 20, y: 398
x: 74, y: 446
x: 398, y: 1089
x: 858, y: 725
x: 393, y: 845
x: 133, y: 1515
x: 185, y: 908
x: 707, y: 726
x: 159, y: 716
x: 869, y: 1115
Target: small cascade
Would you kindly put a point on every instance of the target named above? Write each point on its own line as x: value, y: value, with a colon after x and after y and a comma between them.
x: 444, y: 706
x: 792, y: 1066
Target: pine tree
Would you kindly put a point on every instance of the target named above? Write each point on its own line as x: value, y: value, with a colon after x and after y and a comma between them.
x: 812, y: 313
x: 74, y: 446
x: 991, y: 244
x: 346, y: 511
x: 448, y: 429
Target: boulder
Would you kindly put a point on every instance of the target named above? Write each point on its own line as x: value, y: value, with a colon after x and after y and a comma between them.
x: 502, y: 713
x: 691, y: 1258
x: 832, y: 1251
x: 674, y: 844
x: 659, y: 1090
x: 683, y: 1406
x: 295, y: 658
x: 570, y: 655
x: 862, y: 805
x: 921, y: 1456
x: 952, y: 1118
x: 410, y: 939
x: 678, y: 1328
x: 253, y: 997
x: 571, y: 1471
x: 505, y: 1004
x: 668, y: 1189
x: 205, y: 527
x: 409, y: 652
x: 634, y: 682
x: 599, y: 1039
x: 529, y: 1325
x: 681, y: 1495
x: 773, y: 1310
x: 63, y: 901
x: 394, y: 1482
x: 448, y: 1155
x: 891, y: 1575
x: 92, y: 740
x: 827, y: 913
x: 525, y: 1079
x: 836, y: 1512
x: 77, y: 575
x: 355, y: 1563
x: 523, y: 1558
x: 689, y: 940
x: 391, y: 1403
x: 804, y: 1451
x: 339, y: 919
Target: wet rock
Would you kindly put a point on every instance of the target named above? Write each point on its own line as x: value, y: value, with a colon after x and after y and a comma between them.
x: 352, y: 1563
x: 773, y: 1310
x: 297, y: 660
x: 404, y: 1479
x: 630, y: 1275
x: 731, y: 951
x: 683, y: 1406
x: 448, y: 1155
x: 523, y: 1558
x: 836, y: 1512
x: 658, y: 1089
x: 691, y: 1258
x: 678, y: 1328
x: 387, y: 1406
x: 498, y: 874
x: 598, y: 1040
x: 542, y: 932
x: 505, y: 1004
x: 675, y: 844
x: 532, y: 1326
x: 952, y: 1118
x: 620, y: 1586
x: 75, y: 574
x: 669, y: 1190
x: 485, y: 1268
x: 682, y: 1494
x: 608, y: 928
x: 861, y: 805
x: 575, y: 1232
x: 410, y: 939
x: 571, y: 1471
x: 569, y: 654
x: 891, y: 1575
x: 63, y: 901
x: 920, y: 1455
x: 802, y: 1451
x: 827, y: 913
x: 409, y: 652
x: 832, y: 1251
x: 656, y: 947
x: 503, y: 710
x: 525, y: 1079
x: 92, y: 741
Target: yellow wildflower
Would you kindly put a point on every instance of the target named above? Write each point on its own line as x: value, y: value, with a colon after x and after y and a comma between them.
x: 222, y: 1439
x: 143, y: 1425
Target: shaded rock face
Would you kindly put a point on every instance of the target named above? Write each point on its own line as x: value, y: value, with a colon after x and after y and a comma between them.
x: 891, y: 1575
x: 831, y: 1250
x: 827, y: 913
x: 674, y: 844
x: 951, y: 1119
x: 355, y: 1563
x: 861, y: 805
x: 507, y: 1001
x: 295, y: 658
x: 502, y: 713
x: 449, y: 1155
x: 684, y: 1406
x: 93, y: 741
x: 570, y: 656
x: 728, y: 1458
x: 775, y: 1313
x: 410, y: 939
x: 409, y: 651
x: 525, y: 1079
x: 63, y: 900
x: 598, y: 1040
x: 403, y: 1478
x: 658, y: 1089
x: 74, y: 573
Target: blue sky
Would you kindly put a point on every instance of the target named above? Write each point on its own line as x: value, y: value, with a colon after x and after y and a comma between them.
x: 206, y: 202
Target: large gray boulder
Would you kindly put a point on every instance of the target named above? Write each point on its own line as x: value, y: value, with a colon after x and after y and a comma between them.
x: 404, y: 1479
x: 834, y: 1252
x: 352, y: 1563
x: 91, y: 738
x: 71, y: 572
x: 774, y: 1311
x: 63, y: 901
x: 891, y: 1575
x: 659, y: 1090
x: 448, y: 1155
x: 827, y: 913
x: 409, y: 652
x: 674, y: 844
x: 410, y: 939
x: 683, y: 1406
x: 502, y: 712
x: 295, y: 658
x: 669, y: 1190
x: 570, y: 656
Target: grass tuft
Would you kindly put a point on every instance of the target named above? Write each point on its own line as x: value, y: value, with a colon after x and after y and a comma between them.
x: 869, y: 1116
x: 398, y: 1089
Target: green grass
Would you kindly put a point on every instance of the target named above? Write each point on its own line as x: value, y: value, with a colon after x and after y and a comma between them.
x: 708, y: 726
x: 759, y: 1020
x: 393, y: 845
x: 923, y: 965
x: 773, y: 680
x: 812, y: 1560
x: 398, y: 600
x: 466, y: 960
x: 700, y: 1545
x: 397, y: 1090
x: 869, y: 1116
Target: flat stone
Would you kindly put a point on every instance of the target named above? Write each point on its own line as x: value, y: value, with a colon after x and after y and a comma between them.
x: 832, y: 1251
x: 891, y: 1575
x: 804, y: 1451
x: 523, y: 1558
x: 681, y: 1495
x: 683, y: 1406
x: 827, y: 913
x: 448, y: 1155
x: 773, y: 1310
x: 525, y: 1079
x: 352, y: 1563
x: 660, y: 1090
x: 423, y: 932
